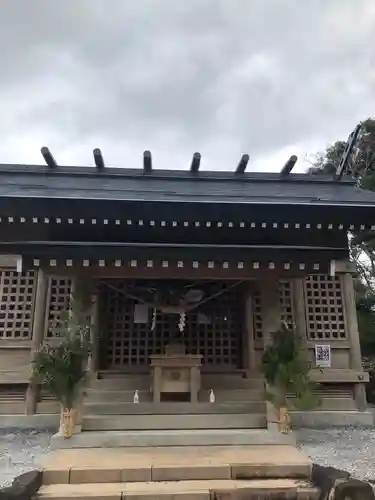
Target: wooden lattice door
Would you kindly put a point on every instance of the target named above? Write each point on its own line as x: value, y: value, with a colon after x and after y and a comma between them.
x: 214, y: 330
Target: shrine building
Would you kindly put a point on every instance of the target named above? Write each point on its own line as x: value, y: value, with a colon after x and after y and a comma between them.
x: 190, y: 271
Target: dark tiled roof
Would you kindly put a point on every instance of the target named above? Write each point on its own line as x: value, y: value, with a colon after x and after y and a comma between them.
x: 33, y: 181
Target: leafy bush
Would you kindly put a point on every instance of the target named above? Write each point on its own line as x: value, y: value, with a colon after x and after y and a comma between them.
x: 62, y: 367
x: 286, y: 369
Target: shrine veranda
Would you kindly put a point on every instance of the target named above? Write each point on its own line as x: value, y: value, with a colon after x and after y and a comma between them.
x: 231, y: 255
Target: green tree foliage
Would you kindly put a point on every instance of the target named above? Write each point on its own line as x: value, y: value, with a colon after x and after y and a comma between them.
x: 286, y: 369
x: 61, y: 367
x: 361, y: 166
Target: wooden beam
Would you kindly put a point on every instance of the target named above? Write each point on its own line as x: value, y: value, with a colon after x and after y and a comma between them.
x: 99, y: 160
x: 147, y: 162
x: 241, y: 167
x: 195, y: 162
x: 347, y: 152
x: 289, y: 165
x: 48, y: 158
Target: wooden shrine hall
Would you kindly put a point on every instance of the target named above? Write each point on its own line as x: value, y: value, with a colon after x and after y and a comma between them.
x: 190, y: 273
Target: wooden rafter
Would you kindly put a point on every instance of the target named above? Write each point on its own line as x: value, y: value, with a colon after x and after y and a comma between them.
x: 182, y: 307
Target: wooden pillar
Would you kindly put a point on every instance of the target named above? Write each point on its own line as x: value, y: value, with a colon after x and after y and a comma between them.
x: 298, y: 299
x: 271, y: 320
x: 352, y: 329
x: 270, y: 303
x: 249, y: 361
x: 37, y: 337
x: 94, y: 332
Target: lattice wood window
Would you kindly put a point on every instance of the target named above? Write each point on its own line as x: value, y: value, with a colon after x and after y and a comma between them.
x: 214, y: 331
x: 17, y: 296
x: 257, y: 318
x: 285, y: 291
x: 324, y: 308
x: 286, y: 303
x: 58, y: 297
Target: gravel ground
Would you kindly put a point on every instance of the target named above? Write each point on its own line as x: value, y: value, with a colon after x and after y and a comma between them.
x: 345, y: 448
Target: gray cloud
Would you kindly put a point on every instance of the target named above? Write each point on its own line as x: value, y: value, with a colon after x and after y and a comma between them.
x: 221, y: 77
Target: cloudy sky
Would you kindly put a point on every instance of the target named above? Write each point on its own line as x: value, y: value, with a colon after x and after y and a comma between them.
x: 223, y: 77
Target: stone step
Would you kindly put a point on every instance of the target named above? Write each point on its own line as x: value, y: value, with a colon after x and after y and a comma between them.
x: 125, y: 382
x: 126, y: 396
x: 175, y: 464
x: 172, y: 438
x: 114, y: 408
x: 261, y: 489
x: 160, y: 422
x: 228, y: 395
x: 229, y: 381
x: 208, y: 381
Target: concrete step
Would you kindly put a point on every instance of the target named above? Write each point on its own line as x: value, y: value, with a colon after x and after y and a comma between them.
x: 125, y: 382
x: 116, y: 395
x: 230, y: 381
x: 101, y: 465
x: 261, y: 489
x: 95, y: 395
x: 172, y: 438
x: 114, y: 408
x: 160, y: 422
x: 214, y: 381
x: 229, y: 395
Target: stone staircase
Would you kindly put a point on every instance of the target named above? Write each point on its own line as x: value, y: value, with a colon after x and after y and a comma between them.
x: 239, y: 404
x: 189, y: 473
